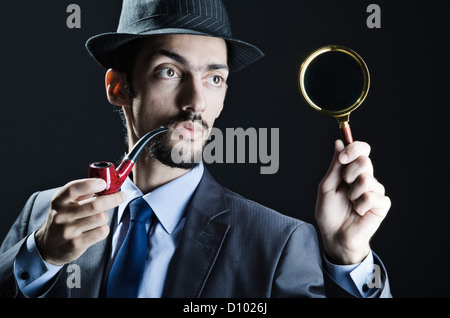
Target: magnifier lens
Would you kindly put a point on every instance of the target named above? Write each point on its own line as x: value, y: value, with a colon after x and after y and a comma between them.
x: 334, y: 81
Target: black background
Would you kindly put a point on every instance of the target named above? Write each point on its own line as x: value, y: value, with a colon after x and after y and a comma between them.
x: 56, y: 119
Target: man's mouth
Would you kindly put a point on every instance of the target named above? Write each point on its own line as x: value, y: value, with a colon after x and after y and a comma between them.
x: 189, y: 129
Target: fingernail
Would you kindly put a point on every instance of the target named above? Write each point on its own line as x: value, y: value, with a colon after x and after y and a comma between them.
x: 339, y: 145
x: 101, y: 184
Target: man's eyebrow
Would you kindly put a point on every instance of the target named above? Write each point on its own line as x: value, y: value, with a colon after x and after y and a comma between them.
x: 174, y: 56
x: 217, y: 67
x: 180, y: 59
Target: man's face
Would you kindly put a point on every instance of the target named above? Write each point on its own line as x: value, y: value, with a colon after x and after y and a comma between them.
x: 179, y: 81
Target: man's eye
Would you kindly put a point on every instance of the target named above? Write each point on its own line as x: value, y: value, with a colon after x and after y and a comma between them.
x: 167, y: 72
x: 215, y: 80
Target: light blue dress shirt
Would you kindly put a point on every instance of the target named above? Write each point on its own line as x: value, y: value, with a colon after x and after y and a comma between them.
x: 164, y: 237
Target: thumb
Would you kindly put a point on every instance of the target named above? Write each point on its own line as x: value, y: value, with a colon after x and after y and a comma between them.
x: 333, y: 177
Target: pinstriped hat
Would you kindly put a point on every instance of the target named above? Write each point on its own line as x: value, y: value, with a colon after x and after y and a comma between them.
x: 140, y: 18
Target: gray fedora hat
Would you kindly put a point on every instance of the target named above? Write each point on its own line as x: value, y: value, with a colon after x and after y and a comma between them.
x: 140, y: 18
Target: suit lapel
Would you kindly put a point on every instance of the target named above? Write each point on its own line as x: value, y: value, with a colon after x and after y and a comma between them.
x: 201, y: 241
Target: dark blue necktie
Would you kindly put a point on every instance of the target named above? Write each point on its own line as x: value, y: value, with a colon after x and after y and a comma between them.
x: 128, y: 267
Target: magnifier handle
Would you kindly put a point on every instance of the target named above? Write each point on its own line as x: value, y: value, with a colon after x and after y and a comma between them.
x: 346, y: 133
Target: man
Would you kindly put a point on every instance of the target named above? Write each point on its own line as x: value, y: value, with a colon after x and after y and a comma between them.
x: 168, y: 65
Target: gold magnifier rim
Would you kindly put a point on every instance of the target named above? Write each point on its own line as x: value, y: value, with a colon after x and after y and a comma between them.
x: 346, y: 50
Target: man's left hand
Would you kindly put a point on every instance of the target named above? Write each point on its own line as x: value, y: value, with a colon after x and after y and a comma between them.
x: 351, y: 204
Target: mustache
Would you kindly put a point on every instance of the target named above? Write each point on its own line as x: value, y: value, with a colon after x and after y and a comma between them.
x: 186, y: 116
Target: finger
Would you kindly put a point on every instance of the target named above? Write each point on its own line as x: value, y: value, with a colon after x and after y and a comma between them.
x: 375, y: 203
x: 353, y: 151
x: 84, y: 197
x: 333, y: 177
x: 88, y: 207
x: 78, y: 188
x: 95, y: 235
x: 79, y: 226
x: 365, y: 183
x: 95, y: 205
x: 359, y: 166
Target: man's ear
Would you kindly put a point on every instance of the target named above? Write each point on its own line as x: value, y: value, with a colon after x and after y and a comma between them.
x: 116, y: 88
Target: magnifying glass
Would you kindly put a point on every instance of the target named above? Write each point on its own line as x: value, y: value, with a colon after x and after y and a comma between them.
x: 335, y: 80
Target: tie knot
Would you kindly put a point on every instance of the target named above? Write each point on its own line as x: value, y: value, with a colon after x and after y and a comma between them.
x: 140, y: 211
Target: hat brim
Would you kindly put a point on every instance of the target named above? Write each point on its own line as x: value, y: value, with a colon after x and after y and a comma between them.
x: 103, y: 46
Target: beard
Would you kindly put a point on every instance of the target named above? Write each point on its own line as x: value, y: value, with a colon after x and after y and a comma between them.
x: 162, y: 149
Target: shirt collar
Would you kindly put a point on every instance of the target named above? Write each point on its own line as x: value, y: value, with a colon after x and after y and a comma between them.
x: 169, y: 201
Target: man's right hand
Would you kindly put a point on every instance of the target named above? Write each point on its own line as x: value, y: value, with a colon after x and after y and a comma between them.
x: 77, y: 220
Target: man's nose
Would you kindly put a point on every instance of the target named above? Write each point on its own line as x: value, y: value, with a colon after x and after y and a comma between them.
x: 192, y: 97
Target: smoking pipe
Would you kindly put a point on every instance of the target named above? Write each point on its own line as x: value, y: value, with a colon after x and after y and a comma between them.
x: 114, y: 178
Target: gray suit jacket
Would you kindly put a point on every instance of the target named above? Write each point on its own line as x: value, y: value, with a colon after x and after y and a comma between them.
x: 230, y: 247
